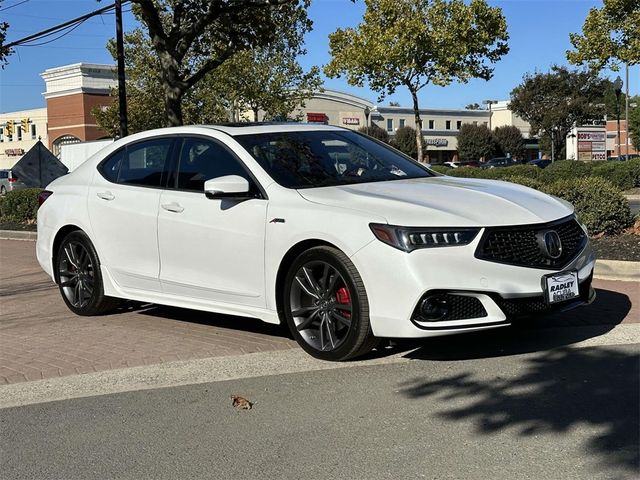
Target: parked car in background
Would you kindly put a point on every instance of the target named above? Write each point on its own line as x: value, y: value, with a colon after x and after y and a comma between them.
x: 9, y: 182
x: 323, y: 229
x: 622, y: 158
x: 539, y: 162
x: 499, y: 162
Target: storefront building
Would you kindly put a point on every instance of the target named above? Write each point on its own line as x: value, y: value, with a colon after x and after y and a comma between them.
x: 19, y: 131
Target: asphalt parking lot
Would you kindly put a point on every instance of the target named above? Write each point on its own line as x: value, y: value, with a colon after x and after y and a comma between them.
x: 41, y: 339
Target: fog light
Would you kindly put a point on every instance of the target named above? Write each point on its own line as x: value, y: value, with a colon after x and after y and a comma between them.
x: 434, y: 308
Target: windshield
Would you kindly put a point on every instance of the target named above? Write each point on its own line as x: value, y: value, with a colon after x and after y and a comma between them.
x: 327, y: 158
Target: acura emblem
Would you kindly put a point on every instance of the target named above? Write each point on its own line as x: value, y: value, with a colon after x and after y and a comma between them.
x: 550, y: 244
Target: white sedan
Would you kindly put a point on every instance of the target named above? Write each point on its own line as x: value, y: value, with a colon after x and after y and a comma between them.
x: 341, y: 237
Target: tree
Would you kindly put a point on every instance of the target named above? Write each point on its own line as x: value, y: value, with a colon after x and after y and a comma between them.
x: 473, y: 106
x: 610, y: 36
x: 376, y: 132
x: 413, y: 43
x: 556, y: 101
x: 405, y: 141
x: 394, y: 104
x: 475, y: 142
x: 509, y: 141
x: 4, y: 52
x: 192, y: 38
x: 205, y: 103
x: 271, y: 80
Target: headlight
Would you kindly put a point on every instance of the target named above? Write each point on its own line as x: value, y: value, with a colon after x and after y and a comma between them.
x: 412, y: 238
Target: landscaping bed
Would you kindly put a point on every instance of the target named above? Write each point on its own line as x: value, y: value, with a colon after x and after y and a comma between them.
x: 620, y: 247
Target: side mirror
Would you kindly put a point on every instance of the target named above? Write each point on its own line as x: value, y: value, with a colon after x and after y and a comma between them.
x: 229, y: 186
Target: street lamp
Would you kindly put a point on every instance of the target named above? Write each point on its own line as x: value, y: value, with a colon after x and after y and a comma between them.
x: 367, y: 111
x: 489, y: 103
x: 617, y: 85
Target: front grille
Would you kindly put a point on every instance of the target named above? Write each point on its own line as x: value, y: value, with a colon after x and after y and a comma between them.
x: 519, y: 245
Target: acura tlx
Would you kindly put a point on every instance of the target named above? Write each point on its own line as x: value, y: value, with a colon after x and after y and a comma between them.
x: 339, y: 236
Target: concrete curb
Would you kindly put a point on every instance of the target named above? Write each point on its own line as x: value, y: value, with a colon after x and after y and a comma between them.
x: 632, y: 198
x: 17, y: 235
x: 617, y: 270
x: 605, y: 269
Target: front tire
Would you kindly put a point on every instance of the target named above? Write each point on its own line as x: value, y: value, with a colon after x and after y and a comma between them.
x: 326, y: 306
x: 79, y: 277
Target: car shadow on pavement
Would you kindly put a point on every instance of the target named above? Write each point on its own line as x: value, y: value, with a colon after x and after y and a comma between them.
x: 556, y: 390
x: 231, y: 322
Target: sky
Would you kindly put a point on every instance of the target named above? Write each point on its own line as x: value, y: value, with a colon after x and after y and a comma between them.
x: 539, y: 37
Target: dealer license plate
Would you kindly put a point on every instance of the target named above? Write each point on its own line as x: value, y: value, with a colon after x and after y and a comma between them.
x: 560, y: 287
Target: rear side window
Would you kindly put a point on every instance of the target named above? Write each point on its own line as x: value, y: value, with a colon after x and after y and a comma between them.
x: 111, y: 167
x: 144, y: 163
x: 138, y: 164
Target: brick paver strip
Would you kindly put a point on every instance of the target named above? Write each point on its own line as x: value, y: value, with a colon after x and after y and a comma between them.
x: 40, y: 338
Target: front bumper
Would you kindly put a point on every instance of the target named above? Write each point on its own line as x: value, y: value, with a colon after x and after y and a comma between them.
x: 396, y: 283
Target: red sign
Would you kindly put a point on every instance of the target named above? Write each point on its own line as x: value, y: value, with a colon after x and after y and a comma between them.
x: 317, y: 117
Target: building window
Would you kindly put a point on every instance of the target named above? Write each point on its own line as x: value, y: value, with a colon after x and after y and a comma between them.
x: 19, y: 133
x: 448, y: 125
x: 402, y: 123
x: 389, y: 124
x: 33, y: 131
x: 458, y: 124
x: 430, y: 124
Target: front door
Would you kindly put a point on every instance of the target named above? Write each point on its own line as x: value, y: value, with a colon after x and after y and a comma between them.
x: 211, y: 249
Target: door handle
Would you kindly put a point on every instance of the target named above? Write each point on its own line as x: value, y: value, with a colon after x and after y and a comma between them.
x: 106, y: 195
x: 173, y: 207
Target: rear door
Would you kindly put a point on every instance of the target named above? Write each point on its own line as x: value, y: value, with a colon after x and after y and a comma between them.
x: 123, y: 207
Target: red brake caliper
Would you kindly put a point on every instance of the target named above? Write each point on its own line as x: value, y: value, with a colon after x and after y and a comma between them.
x: 343, y: 297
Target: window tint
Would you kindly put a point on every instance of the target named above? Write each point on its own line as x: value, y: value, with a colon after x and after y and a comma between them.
x: 144, y: 163
x: 202, y: 160
x: 111, y: 167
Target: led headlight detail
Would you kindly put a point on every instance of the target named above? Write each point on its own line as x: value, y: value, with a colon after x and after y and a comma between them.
x: 412, y: 238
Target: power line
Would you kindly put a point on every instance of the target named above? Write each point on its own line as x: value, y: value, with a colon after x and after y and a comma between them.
x: 61, y: 27
x: 14, y: 5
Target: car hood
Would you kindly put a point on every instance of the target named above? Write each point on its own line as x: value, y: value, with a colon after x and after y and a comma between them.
x: 444, y: 201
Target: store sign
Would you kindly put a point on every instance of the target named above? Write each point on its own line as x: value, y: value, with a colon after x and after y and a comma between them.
x: 351, y: 121
x: 436, y: 142
x: 14, y: 152
x: 599, y: 146
x: 584, y: 146
x: 584, y: 156
x: 598, y: 155
x: 592, y: 136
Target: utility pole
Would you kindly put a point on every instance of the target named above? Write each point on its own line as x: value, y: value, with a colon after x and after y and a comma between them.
x: 122, y: 91
x: 626, y: 113
x: 617, y: 85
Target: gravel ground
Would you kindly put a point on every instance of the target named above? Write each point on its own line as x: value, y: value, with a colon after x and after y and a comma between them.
x: 622, y: 247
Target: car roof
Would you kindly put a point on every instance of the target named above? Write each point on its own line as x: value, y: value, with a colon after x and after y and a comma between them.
x: 235, y: 129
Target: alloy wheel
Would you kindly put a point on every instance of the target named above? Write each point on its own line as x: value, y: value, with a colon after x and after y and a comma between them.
x: 321, y: 305
x: 76, y: 274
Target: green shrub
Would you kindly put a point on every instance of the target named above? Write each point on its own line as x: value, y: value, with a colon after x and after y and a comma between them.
x: 529, y: 171
x: 526, y: 181
x: 565, y: 170
x: 467, y: 172
x: 599, y: 204
x: 20, y: 206
x: 441, y: 169
x: 624, y: 175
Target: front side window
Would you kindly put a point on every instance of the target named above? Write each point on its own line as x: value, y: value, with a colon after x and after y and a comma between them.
x: 111, y: 166
x: 327, y: 158
x: 201, y: 159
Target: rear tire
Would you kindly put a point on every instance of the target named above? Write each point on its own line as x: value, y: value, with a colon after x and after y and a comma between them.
x: 326, y: 306
x: 79, y: 277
